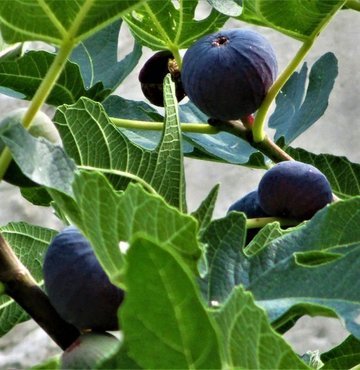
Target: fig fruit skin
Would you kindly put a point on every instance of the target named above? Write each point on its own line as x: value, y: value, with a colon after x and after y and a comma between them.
x: 227, y: 74
x: 294, y: 190
x: 76, y: 284
x: 249, y: 204
x: 152, y: 76
x: 88, y: 350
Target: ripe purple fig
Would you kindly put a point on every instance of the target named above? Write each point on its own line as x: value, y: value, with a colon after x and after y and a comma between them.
x: 76, y: 284
x: 227, y: 74
x: 295, y: 190
x: 249, y: 204
x: 152, y: 77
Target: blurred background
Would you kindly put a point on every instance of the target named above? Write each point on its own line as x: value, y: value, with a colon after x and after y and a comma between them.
x: 337, y: 132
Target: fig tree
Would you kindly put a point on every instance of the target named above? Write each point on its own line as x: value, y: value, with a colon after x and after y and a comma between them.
x: 152, y: 76
x: 88, y: 350
x: 294, y: 190
x: 227, y: 74
x: 76, y: 284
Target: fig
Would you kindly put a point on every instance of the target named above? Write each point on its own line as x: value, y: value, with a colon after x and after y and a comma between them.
x: 249, y: 204
x: 152, y: 76
x: 76, y: 284
x: 294, y: 190
x: 227, y: 74
x: 88, y: 350
x: 41, y: 126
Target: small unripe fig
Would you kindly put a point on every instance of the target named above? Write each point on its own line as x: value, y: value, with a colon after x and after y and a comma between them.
x: 88, y: 350
x: 152, y: 77
x: 41, y: 126
x: 249, y: 204
x: 76, y: 284
x: 294, y: 190
x: 227, y: 74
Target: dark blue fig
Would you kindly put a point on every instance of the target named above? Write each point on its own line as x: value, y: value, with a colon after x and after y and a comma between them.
x: 76, y: 284
x: 227, y: 74
x: 249, y: 204
x: 152, y: 76
x: 294, y: 190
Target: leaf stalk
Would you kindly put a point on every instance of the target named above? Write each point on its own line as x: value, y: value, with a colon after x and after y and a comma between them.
x: 259, y: 123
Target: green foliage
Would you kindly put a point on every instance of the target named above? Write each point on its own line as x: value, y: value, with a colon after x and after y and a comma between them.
x: 29, y: 242
x: 295, y: 113
x: 196, y: 295
x: 49, y: 22
x: 171, y: 28
x: 247, y: 336
x: 292, y: 18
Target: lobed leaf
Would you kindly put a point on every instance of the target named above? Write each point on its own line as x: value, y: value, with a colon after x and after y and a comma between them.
x: 222, y: 147
x: 343, y: 175
x: 108, y: 217
x: 29, y: 243
x: 24, y: 74
x: 224, y: 239
x: 39, y: 160
x: 249, y: 341
x: 293, y: 18
x: 205, y: 211
x: 93, y: 142
x: 344, y: 356
x: 98, y: 62
x: 310, y: 269
x: 296, y: 111
x: 53, y: 21
x: 163, y: 313
x: 164, y: 26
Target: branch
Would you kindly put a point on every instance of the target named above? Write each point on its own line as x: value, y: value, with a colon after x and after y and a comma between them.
x: 267, y: 146
x: 23, y: 289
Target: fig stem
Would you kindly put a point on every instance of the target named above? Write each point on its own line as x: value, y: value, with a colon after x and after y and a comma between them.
x: 353, y: 4
x: 19, y: 284
x: 266, y: 146
x: 199, y: 128
x: 2, y: 288
x: 5, y: 159
x: 255, y: 223
x: 259, y: 123
x: 175, y: 52
x: 41, y: 94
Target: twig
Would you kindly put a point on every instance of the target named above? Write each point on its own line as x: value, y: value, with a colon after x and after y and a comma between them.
x: 21, y: 286
x: 267, y: 146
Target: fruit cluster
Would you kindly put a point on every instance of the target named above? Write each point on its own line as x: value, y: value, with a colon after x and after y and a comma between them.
x: 290, y: 189
x: 226, y: 74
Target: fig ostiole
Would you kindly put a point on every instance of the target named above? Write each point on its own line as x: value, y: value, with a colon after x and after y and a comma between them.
x: 228, y: 74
